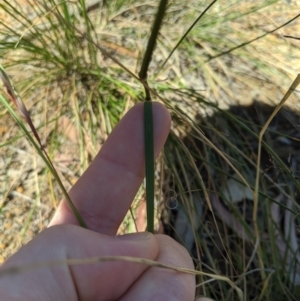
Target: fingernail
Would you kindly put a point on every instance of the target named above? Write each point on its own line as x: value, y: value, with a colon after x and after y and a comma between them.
x: 135, y: 236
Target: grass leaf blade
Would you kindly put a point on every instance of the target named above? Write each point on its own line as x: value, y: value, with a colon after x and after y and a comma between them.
x: 16, y: 99
x: 148, y: 116
x: 188, y: 31
x: 13, y: 95
x: 149, y: 164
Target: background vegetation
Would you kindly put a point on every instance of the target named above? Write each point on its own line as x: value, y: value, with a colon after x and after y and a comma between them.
x: 73, y: 63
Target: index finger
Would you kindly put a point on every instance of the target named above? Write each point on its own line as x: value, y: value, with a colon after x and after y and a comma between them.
x: 104, y: 192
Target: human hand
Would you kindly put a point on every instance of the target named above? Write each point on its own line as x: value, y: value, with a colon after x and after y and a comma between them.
x: 103, y: 195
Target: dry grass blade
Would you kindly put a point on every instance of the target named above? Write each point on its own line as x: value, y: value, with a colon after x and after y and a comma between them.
x: 255, y: 39
x: 187, y: 32
x: 13, y: 95
x: 84, y: 261
x: 256, y: 189
x: 16, y: 99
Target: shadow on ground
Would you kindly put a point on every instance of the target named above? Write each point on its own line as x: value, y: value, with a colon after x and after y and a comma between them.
x: 208, y: 204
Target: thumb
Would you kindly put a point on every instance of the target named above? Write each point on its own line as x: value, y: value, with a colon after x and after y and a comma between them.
x: 98, y: 281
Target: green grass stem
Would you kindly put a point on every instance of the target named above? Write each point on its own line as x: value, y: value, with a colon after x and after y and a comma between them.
x: 149, y: 164
x: 148, y: 116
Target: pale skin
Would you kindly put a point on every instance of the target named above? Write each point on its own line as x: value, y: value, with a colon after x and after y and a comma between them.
x: 103, y: 196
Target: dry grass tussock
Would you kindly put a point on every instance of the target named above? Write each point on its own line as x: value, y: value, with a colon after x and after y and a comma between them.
x: 76, y: 94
